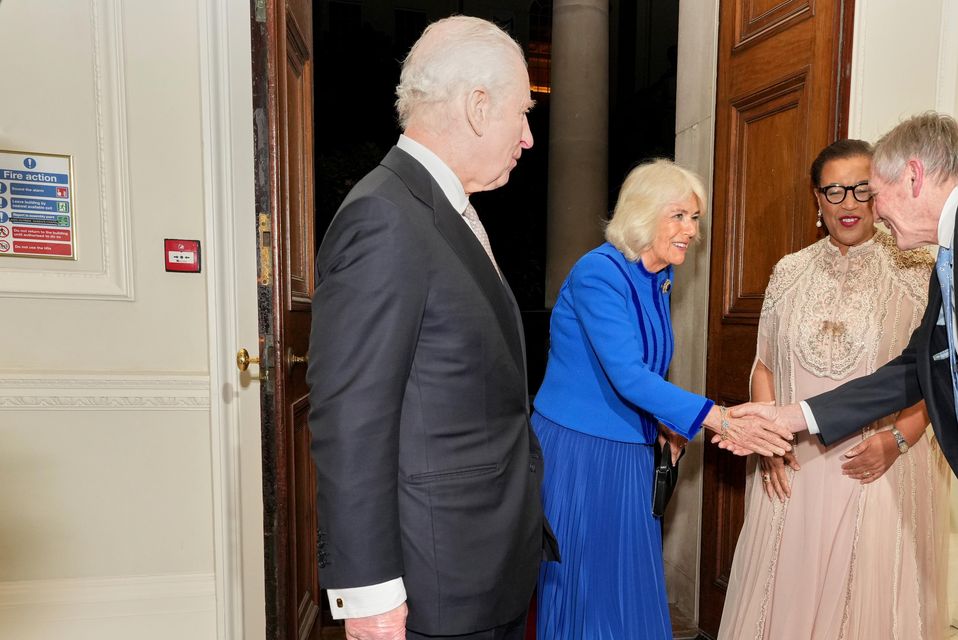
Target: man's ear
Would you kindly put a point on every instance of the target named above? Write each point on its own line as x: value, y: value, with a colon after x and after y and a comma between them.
x: 477, y: 110
x: 916, y: 171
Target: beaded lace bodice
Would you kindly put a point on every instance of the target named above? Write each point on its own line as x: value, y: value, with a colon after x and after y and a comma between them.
x: 828, y: 317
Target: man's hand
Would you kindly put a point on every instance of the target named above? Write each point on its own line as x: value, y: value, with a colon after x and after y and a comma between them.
x: 747, y: 433
x: 872, y: 457
x: 777, y: 420
x: 385, y: 626
x: 789, y: 417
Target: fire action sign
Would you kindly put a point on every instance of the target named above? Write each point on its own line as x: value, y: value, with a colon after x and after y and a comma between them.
x: 37, y: 218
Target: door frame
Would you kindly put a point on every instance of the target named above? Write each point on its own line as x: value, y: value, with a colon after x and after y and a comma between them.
x: 225, y: 92
x: 281, y: 42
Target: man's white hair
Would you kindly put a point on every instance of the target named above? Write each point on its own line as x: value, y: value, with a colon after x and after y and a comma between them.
x: 930, y: 136
x: 452, y: 57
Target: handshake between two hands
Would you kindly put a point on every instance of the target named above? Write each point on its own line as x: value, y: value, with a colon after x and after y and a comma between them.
x: 755, y: 427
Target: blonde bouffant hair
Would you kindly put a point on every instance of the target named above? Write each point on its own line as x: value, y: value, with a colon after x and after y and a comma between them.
x: 647, y: 190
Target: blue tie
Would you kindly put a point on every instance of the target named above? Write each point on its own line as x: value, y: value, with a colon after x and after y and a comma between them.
x: 945, y: 268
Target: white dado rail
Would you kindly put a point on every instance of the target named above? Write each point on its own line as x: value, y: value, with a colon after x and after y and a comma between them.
x: 77, y: 392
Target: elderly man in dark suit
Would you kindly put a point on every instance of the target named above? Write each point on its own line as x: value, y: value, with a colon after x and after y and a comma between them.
x: 914, y: 181
x: 428, y: 471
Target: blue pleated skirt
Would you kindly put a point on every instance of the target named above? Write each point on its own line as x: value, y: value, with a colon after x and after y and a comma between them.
x: 610, y: 584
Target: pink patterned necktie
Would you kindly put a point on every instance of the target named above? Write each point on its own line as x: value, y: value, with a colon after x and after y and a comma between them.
x: 472, y: 218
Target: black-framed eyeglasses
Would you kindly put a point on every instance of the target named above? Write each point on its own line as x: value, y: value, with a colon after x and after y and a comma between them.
x: 836, y: 193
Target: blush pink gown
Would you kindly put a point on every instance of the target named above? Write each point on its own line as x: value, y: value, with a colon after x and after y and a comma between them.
x: 842, y: 560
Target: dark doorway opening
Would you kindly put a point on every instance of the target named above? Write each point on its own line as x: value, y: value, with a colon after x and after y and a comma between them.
x: 359, y: 47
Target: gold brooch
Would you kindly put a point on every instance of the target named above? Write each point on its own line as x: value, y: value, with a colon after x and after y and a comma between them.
x: 666, y: 286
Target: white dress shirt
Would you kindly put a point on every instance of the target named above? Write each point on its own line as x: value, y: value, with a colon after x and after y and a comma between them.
x: 439, y: 170
x: 359, y: 602
x: 946, y: 233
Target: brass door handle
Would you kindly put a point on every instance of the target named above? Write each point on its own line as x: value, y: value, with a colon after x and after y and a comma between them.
x: 292, y: 359
x: 243, y: 361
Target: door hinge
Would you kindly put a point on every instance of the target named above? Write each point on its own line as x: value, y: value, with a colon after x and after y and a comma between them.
x: 265, y: 250
x: 260, y: 10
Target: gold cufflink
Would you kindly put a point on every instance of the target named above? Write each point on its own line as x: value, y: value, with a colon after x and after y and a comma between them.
x: 339, y: 602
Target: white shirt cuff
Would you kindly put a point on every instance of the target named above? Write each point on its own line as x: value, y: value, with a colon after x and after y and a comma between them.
x: 360, y: 602
x: 809, y: 418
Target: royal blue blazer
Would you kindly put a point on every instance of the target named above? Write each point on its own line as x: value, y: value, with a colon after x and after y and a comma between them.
x: 610, y: 347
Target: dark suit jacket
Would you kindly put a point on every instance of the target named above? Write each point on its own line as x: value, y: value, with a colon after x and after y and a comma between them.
x: 910, y: 377
x: 427, y: 467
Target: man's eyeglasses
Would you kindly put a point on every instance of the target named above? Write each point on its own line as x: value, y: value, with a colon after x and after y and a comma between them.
x: 835, y: 193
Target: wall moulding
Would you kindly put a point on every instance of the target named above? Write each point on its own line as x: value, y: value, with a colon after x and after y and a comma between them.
x: 104, y: 269
x: 140, y: 392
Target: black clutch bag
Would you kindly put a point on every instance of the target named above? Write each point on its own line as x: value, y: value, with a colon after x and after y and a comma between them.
x: 666, y: 475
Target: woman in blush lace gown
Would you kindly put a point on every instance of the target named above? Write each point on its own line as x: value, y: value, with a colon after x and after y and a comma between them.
x: 848, y: 541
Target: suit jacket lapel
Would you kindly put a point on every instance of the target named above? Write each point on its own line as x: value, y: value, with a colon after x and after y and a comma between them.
x: 463, y: 241
x: 521, y: 332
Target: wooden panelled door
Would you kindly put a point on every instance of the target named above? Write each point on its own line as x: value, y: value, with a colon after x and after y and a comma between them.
x: 283, y: 124
x: 781, y: 96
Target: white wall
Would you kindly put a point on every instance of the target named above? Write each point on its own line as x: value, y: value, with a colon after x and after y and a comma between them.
x: 117, y: 519
x: 905, y: 60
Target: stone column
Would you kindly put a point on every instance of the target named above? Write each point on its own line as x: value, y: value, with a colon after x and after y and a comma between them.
x: 694, y: 149
x: 578, y: 135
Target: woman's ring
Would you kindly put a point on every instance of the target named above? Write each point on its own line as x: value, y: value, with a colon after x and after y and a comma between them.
x: 866, y: 474
x: 766, y: 477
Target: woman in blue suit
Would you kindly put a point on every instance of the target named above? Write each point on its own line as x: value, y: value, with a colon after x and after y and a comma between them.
x: 604, y: 403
